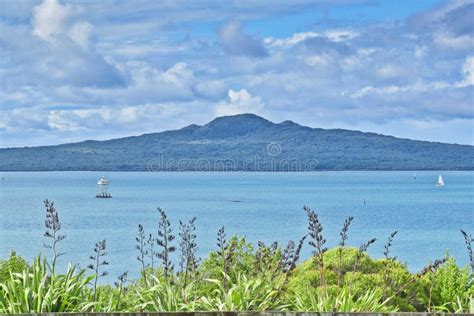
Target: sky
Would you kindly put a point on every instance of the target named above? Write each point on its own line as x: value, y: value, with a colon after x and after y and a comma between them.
x: 76, y: 70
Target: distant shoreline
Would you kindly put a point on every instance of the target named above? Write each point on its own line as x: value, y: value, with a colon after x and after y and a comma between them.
x: 242, y: 171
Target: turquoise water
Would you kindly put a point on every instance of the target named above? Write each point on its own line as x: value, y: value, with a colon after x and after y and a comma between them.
x: 428, y: 218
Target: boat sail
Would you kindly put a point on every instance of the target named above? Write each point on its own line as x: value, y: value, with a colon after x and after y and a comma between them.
x: 440, y: 182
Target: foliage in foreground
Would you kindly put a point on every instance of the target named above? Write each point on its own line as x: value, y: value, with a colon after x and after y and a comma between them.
x: 237, y: 276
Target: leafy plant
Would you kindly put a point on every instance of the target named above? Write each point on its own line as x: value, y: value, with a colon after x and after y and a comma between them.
x: 342, y: 301
x: 36, y: 291
x: 244, y: 294
x: 164, y: 296
x: 14, y: 264
x: 451, y: 287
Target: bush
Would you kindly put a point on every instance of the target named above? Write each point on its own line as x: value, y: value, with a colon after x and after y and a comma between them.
x: 14, y: 264
x: 452, y: 287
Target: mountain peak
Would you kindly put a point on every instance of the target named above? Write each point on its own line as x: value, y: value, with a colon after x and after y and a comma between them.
x: 235, y: 125
x: 247, y: 118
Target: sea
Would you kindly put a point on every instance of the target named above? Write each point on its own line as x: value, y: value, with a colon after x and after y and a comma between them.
x: 262, y: 207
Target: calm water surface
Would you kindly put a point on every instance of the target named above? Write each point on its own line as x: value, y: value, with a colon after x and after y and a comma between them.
x: 428, y: 218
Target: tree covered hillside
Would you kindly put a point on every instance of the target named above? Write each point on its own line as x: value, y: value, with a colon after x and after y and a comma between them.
x: 246, y: 143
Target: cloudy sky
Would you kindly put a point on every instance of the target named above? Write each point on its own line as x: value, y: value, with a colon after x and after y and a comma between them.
x: 75, y: 70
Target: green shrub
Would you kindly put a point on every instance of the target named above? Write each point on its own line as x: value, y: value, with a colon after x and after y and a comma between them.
x: 452, y: 288
x: 391, y: 277
x: 14, y: 264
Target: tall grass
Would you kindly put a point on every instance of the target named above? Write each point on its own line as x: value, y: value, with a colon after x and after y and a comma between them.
x: 343, y: 301
x: 38, y: 291
x: 239, y: 277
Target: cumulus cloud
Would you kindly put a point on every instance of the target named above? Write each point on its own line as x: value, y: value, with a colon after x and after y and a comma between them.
x: 234, y: 41
x: 68, y: 55
x: 50, y: 19
x: 240, y: 102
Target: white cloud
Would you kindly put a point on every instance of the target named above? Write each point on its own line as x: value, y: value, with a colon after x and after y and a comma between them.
x: 389, y: 71
x: 151, y: 85
x: 449, y: 41
x: 22, y: 119
x: 335, y: 36
x: 468, y: 72
x: 110, y: 118
x: 421, y: 51
x: 180, y: 74
x: 319, y: 60
x: 240, y: 102
x: 340, y: 35
x: 58, y: 121
x: 375, y: 90
x: 51, y: 20
x: 292, y: 40
x: 80, y: 33
x: 234, y: 41
x: 59, y: 45
x: 468, y: 80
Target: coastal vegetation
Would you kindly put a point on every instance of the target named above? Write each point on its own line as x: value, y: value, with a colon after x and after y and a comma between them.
x: 237, y: 276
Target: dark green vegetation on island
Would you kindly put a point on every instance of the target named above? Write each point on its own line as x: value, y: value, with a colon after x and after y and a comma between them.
x: 243, y: 143
x: 237, y: 276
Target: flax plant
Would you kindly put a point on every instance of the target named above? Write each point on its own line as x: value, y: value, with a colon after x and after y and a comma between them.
x: 188, y: 259
x: 165, y: 238
x: 225, y: 252
x: 342, y: 243
x: 142, y: 252
x: 317, y: 241
x: 53, y: 226
x: 97, y: 263
x: 387, y: 263
x: 151, y: 250
x: 35, y: 291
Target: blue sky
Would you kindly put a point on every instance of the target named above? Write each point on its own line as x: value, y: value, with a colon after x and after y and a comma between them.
x: 75, y: 70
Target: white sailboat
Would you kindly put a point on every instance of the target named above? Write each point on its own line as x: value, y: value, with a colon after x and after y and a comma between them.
x: 440, y: 182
